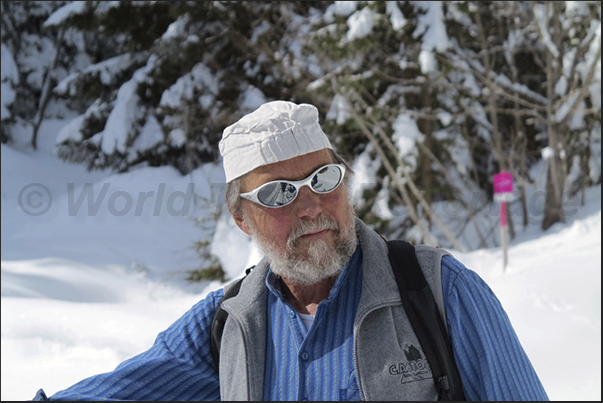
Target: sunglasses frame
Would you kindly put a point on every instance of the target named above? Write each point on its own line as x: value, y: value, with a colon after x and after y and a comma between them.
x: 252, y: 195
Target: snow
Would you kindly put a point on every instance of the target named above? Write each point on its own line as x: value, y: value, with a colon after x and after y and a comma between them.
x: 576, y: 120
x: 82, y: 292
x: 594, y: 163
x: 381, y: 208
x: 520, y: 88
x: 259, y: 30
x: 35, y: 59
x: 590, y: 59
x: 106, y: 71
x: 251, y: 99
x: 459, y: 152
x: 340, y: 110
x: 594, y: 36
x: 149, y: 136
x: 566, y: 106
x: 229, y: 241
x: 445, y: 118
x: 104, y: 6
x: 547, y: 153
x: 360, y: 24
x: 568, y: 61
x: 8, y: 96
x: 406, y: 135
x: 513, y: 41
x: 573, y: 8
x: 342, y: 8
x: 121, y: 120
x: 365, y: 175
x: 470, y: 83
x: 177, y: 137
x: 551, y: 290
x: 542, y: 21
x: 200, y: 78
x: 61, y: 14
x: 561, y: 86
x: 395, y: 15
x: 176, y: 29
x: 574, y: 171
x: 9, y: 69
x: 427, y: 61
x: 10, y: 76
x: 72, y: 130
x: 431, y: 26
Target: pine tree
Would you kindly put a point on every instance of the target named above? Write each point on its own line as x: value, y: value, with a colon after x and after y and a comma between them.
x: 29, y: 65
x: 171, y: 76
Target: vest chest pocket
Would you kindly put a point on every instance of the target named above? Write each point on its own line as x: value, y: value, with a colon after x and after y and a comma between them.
x: 391, y: 362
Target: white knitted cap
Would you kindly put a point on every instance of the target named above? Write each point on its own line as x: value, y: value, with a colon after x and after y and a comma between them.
x: 274, y: 132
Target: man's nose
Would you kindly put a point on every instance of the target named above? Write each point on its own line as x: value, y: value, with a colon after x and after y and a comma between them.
x: 308, y: 203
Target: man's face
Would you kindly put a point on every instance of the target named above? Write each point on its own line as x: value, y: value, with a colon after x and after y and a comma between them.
x: 309, y: 239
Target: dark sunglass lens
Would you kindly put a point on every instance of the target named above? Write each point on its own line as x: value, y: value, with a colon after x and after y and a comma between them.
x: 326, y: 179
x: 277, y: 194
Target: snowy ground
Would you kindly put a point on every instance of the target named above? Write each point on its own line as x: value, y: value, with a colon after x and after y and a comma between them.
x: 82, y: 292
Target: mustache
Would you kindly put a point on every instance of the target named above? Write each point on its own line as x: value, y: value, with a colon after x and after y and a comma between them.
x: 323, y: 222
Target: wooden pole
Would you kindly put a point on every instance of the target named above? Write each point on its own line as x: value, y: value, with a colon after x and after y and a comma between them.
x: 503, y: 232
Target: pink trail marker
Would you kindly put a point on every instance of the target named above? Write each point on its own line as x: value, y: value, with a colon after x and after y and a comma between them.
x: 503, y: 192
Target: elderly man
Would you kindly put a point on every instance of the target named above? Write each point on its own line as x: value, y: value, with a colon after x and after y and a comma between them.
x: 320, y: 317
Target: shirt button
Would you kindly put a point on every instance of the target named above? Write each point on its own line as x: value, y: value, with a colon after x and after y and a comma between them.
x: 304, y: 356
x: 292, y: 314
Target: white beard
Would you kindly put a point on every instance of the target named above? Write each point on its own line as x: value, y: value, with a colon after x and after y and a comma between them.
x: 321, y: 261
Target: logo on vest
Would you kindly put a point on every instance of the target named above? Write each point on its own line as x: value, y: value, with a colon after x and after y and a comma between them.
x: 414, y: 369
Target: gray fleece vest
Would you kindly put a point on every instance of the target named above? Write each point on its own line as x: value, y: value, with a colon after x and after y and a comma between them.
x: 389, y: 361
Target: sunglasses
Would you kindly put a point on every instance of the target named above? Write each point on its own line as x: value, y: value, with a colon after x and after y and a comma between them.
x: 279, y: 193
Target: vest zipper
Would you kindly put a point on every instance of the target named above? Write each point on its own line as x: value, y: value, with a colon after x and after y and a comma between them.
x: 245, y: 348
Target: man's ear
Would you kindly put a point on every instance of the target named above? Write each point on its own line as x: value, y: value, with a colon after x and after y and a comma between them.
x: 240, y: 220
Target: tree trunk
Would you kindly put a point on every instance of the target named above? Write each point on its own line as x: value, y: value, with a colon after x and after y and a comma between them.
x: 553, y: 205
x: 521, y: 136
x: 46, y: 92
x: 524, y: 205
x: 555, y: 181
x: 426, y: 127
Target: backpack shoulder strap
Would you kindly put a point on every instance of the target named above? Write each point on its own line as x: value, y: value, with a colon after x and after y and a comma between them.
x: 425, y: 318
x: 219, y: 320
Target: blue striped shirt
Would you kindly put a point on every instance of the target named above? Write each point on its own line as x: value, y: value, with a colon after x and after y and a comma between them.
x: 318, y: 364
x: 315, y: 364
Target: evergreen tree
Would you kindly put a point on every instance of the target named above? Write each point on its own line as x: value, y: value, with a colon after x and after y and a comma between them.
x: 28, y: 62
x: 175, y: 75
